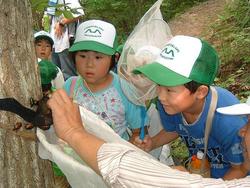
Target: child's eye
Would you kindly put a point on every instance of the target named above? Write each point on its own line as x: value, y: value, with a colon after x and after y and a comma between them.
x: 82, y: 56
x: 98, y: 57
x: 170, y: 90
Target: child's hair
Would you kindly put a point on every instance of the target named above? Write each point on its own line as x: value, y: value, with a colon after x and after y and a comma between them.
x: 193, y: 86
x: 41, y: 39
x: 113, y: 62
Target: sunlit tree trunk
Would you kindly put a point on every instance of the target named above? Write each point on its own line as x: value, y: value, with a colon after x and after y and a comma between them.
x: 20, y: 165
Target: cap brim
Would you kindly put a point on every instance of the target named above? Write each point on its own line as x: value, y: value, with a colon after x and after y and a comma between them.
x: 93, y: 46
x: 237, y: 109
x: 161, y: 75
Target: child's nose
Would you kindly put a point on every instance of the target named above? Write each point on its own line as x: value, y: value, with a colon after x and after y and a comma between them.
x: 90, y: 62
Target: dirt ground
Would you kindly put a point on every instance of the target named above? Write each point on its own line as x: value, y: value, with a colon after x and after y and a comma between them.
x: 197, y: 19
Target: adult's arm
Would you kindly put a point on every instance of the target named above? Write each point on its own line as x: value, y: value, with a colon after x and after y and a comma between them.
x: 122, y: 166
x: 59, y: 26
x: 65, y: 21
x: 236, y: 171
x: 163, y: 137
x: 119, y: 165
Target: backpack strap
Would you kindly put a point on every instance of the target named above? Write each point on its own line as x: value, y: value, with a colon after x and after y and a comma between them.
x: 210, y: 116
x: 72, y: 87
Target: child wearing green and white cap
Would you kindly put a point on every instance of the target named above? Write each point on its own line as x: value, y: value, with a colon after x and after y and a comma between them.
x: 43, y: 48
x: 241, y: 109
x: 184, y: 71
x: 43, y: 45
x: 97, y: 88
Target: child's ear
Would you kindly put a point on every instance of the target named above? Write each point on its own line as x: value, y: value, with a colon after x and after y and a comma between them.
x: 117, y: 57
x: 202, y: 92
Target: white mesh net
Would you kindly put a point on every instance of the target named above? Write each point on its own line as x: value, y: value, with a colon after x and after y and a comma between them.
x: 77, y: 172
x: 143, y: 47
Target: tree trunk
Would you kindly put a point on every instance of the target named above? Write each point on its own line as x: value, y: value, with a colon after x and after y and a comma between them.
x: 20, y: 165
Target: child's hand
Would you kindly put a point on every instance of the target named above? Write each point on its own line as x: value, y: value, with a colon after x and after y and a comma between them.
x: 136, y: 133
x: 145, y: 144
x: 133, y: 137
x: 181, y: 168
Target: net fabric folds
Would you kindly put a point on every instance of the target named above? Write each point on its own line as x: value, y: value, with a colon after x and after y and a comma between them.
x: 78, y: 173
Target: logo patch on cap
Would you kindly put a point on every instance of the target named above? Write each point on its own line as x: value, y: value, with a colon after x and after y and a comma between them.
x: 93, y: 31
x: 169, y: 52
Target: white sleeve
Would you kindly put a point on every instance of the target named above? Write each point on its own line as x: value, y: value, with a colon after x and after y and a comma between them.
x: 122, y: 166
x: 74, y: 4
x: 58, y: 82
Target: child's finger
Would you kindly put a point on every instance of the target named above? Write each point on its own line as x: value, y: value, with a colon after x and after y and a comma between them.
x: 137, y: 141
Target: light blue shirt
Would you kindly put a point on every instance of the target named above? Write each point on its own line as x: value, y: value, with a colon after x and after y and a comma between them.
x: 110, y: 104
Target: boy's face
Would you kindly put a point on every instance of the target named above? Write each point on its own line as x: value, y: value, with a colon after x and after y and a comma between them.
x: 43, y: 49
x: 176, y: 99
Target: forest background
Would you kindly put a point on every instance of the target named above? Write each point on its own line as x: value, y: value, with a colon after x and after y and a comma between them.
x: 229, y: 33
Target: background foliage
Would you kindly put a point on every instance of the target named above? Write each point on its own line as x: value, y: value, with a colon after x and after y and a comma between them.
x: 124, y: 14
x: 231, y: 37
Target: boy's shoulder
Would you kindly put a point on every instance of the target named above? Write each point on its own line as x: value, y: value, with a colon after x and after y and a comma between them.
x: 225, y: 97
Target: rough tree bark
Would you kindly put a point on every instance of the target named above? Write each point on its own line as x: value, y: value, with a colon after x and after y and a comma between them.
x: 20, y: 165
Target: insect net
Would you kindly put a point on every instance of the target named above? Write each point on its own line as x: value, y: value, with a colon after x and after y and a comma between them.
x: 142, y: 47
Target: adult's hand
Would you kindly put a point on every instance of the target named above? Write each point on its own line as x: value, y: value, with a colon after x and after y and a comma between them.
x: 66, y: 115
x: 68, y: 126
x: 58, y: 30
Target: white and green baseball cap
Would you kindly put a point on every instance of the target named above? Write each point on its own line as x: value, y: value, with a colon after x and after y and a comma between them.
x: 236, y: 109
x: 95, y: 35
x: 182, y: 60
x: 43, y: 35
